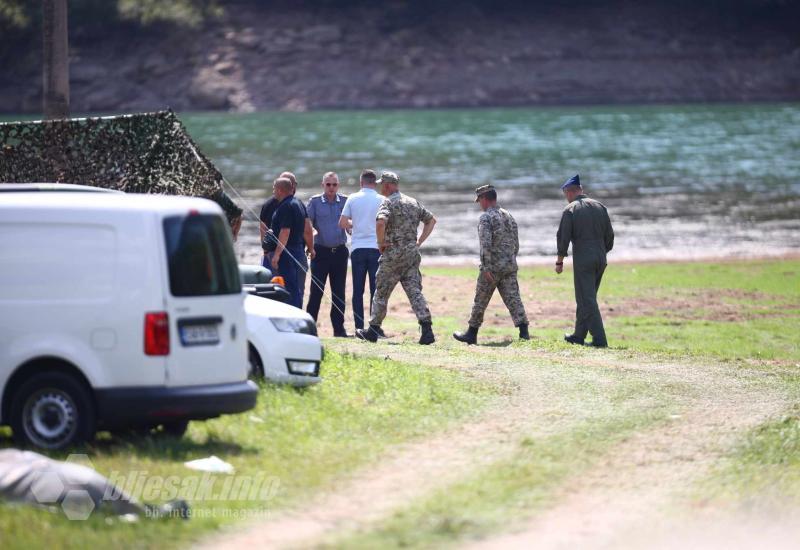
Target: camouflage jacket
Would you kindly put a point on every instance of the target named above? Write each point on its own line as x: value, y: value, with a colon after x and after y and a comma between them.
x: 499, y: 239
x: 403, y: 215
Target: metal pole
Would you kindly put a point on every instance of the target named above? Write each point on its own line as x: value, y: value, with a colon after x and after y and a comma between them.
x: 56, y: 59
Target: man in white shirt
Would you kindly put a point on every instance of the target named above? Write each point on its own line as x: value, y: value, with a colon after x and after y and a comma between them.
x: 358, y: 217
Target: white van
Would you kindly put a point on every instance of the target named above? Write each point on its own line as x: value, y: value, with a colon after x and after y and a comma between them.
x: 117, y: 311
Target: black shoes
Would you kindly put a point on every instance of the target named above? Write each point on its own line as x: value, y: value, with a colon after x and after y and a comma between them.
x: 340, y: 334
x: 374, y: 332
x: 469, y: 337
x: 597, y: 344
x: 523, y: 332
x: 572, y: 339
x: 427, y: 333
x: 370, y: 334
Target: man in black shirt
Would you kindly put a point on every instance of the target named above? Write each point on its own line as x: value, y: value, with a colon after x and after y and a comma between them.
x: 288, y: 224
x: 267, y: 211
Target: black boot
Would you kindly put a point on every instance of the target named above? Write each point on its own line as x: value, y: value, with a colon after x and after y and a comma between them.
x: 468, y: 337
x: 427, y: 333
x: 572, y: 339
x: 370, y: 334
x: 596, y: 344
x: 523, y: 332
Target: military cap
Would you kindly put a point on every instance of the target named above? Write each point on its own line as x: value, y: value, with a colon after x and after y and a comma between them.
x: 574, y: 180
x: 483, y: 189
x: 388, y: 177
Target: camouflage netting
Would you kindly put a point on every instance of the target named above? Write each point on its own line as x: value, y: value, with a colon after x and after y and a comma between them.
x: 140, y: 153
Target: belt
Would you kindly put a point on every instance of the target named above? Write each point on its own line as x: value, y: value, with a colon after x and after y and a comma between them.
x: 331, y: 248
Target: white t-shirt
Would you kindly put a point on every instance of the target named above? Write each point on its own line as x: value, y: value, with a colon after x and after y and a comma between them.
x: 362, y: 207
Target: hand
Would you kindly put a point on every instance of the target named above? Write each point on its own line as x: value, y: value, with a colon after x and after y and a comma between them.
x: 236, y: 226
x: 275, y: 258
x: 559, y: 268
x: 488, y: 276
x: 382, y: 247
x: 311, y: 253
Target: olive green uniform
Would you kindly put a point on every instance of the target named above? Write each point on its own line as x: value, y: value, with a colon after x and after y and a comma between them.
x: 586, y: 224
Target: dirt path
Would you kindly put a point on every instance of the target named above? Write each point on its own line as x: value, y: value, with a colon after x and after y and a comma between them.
x: 638, y: 486
x: 407, y: 472
x: 633, y: 486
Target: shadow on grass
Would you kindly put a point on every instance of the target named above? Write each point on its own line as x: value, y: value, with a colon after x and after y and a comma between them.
x: 502, y: 344
x: 155, y: 447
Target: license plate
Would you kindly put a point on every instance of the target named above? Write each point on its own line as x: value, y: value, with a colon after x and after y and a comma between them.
x: 199, y: 335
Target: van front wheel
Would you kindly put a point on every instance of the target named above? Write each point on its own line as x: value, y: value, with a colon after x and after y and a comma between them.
x: 52, y: 410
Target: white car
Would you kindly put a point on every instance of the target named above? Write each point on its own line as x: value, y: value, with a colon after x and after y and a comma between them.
x: 116, y: 311
x: 284, y: 346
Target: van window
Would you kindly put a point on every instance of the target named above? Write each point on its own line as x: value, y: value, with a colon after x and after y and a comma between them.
x: 200, y: 256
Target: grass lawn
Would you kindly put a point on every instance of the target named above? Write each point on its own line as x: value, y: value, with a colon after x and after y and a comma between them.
x: 709, y: 319
x: 299, y: 439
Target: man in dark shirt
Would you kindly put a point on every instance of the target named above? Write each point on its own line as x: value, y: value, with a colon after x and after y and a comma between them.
x: 585, y: 223
x: 288, y: 225
x: 267, y: 211
x: 330, y: 245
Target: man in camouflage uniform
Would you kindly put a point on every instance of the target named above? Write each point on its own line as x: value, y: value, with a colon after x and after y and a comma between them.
x: 586, y: 224
x: 499, y: 240
x: 396, y: 226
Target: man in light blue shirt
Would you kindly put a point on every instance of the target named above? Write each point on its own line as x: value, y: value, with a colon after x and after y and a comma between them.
x: 330, y: 248
x: 358, y: 216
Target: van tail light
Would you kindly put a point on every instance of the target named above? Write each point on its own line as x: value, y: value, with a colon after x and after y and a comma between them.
x: 278, y: 280
x: 156, y: 333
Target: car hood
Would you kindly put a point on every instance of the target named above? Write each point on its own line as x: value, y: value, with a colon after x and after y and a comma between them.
x: 264, y: 307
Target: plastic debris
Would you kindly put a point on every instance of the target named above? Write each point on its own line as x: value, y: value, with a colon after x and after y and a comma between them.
x: 210, y: 464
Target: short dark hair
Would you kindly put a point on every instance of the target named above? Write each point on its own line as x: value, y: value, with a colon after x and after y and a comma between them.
x: 283, y: 183
x: 490, y: 194
x: 369, y: 176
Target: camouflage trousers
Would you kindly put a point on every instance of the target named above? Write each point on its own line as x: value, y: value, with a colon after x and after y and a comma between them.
x: 507, y: 285
x: 399, y: 267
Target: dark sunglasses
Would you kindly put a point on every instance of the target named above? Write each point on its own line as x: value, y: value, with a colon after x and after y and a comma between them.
x: 331, y: 185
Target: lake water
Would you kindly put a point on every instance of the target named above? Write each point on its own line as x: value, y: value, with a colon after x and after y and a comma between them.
x: 679, y: 181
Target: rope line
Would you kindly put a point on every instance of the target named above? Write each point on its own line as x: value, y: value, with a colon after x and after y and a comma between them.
x: 302, y: 265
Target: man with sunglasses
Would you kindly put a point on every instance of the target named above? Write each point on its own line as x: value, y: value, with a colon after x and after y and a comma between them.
x: 330, y: 248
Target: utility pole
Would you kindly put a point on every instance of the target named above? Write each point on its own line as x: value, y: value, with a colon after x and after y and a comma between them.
x: 56, y: 59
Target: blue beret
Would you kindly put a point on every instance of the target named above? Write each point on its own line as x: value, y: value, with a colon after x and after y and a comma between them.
x: 574, y: 180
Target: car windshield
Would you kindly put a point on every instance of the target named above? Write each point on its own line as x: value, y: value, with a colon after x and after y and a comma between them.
x: 200, y: 256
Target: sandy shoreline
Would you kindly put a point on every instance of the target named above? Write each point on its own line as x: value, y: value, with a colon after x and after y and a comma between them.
x: 542, y: 261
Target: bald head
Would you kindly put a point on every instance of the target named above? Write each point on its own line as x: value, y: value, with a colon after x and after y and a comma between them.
x: 282, y: 188
x: 291, y: 177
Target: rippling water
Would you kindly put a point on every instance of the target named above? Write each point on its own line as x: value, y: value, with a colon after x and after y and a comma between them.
x: 679, y: 181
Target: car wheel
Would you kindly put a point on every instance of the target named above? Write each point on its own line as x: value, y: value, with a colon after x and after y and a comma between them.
x: 256, y: 365
x: 176, y: 428
x: 52, y: 410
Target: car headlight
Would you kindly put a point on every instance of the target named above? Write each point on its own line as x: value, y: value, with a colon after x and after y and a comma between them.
x: 303, y: 326
x: 303, y: 368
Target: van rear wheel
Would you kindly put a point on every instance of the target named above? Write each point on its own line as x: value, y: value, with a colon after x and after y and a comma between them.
x: 52, y: 410
x: 176, y: 428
